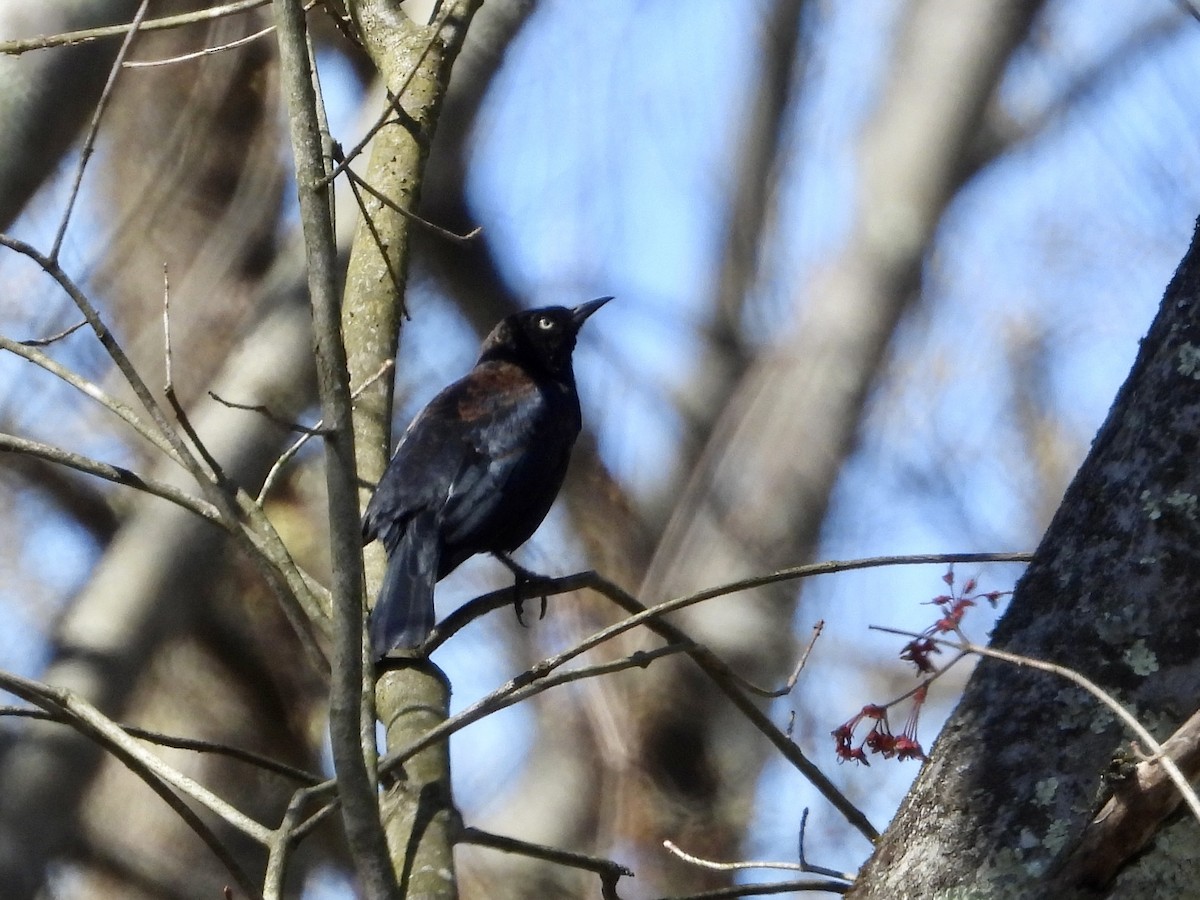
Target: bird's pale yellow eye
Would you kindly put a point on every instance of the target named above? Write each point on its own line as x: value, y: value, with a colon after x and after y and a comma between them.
x: 545, y: 323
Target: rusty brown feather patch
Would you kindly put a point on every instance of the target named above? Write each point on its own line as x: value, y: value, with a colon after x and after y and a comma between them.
x: 491, y: 386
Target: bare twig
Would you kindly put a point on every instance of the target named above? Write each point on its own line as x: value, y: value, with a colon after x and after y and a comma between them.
x: 270, y: 415
x: 801, y: 866
x: 1132, y: 817
x: 91, y: 390
x: 199, y: 54
x: 88, y: 720
x: 54, y: 338
x: 116, y: 474
x: 195, y: 745
x: 526, y: 684
x: 763, y: 890
x: 89, y: 142
x: 438, y: 230
x: 287, y: 835
x: 790, y: 684
x: 86, y: 35
x: 609, y: 871
x: 180, y: 808
x: 369, y: 221
x: 318, y: 429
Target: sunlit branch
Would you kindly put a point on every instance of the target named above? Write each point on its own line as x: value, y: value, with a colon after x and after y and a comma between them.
x: 87, y: 35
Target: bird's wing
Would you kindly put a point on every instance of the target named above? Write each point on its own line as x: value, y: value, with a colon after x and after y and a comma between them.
x: 458, y: 453
x: 505, y: 443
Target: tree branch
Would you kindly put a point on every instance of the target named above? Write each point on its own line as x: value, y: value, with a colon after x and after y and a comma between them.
x: 360, y: 809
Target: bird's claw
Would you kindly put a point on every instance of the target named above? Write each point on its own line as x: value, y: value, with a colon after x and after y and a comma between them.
x: 519, y: 605
x: 521, y: 577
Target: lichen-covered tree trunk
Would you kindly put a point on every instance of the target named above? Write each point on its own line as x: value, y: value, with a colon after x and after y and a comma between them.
x: 1019, y: 771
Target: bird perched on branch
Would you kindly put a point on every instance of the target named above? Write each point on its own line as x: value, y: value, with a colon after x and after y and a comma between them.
x: 478, y: 468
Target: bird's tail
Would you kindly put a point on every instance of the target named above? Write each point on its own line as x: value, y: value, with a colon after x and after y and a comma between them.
x: 403, y: 615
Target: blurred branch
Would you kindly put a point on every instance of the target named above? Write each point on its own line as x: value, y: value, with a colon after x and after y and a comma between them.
x: 68, y: 709
x: 79, y: 499
x: 86, y: 35
x: 1004, y: 134
x: 758, y: 162
x: 207, y: 51
x: 90, y: 722
x: 266, y: 763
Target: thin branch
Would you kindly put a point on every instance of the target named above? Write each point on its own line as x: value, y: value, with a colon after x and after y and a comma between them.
x: 790, y: 684
x: 369, y: 221
x: 116, y: 474
x: 609, y: 871
x: 54, y: 338
x: 90, y: 722
x: 752, y: 864
x: 1133, y: 815
x: 287, y: 835
x: 160, y: 787
x: 1117, y: 708
x: 195, y: 745
x: 437, y: 230
x: 270, y: 415
x: 441, y: 18
x: 385, y: 119
x: 109, y: 342
x: 714, y: 667
x: 199, y: 54
x: 261, y: 540
x: 91, y: 390
x: 89, y: 143
x: 166, y: 316
x: 525, y: 685
x: 552, y: 586
x: 318, y: 429
x: 763, y: 890
x: 87, y: 35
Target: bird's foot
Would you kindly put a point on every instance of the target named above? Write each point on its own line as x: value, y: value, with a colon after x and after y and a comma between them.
x: 523, y: 576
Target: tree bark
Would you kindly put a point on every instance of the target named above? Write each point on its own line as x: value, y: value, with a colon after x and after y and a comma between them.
x: 1018, y: 772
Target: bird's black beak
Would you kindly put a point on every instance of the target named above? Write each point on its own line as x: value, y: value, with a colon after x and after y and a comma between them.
x: 580, y: 313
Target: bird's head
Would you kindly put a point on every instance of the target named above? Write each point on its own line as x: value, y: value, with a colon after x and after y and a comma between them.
x: 541, y: 338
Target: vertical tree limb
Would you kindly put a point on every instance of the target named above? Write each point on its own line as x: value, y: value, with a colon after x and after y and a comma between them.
x: 356, y: 786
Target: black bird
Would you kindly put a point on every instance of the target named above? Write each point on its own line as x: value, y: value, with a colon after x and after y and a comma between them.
x: 478, y: 468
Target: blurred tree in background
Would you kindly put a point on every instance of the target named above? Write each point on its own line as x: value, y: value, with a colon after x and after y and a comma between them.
x: 880, y: 269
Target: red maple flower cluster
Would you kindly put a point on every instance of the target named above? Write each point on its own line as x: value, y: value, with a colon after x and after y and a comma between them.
x: 953, y: 607
x: 880, y: 738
